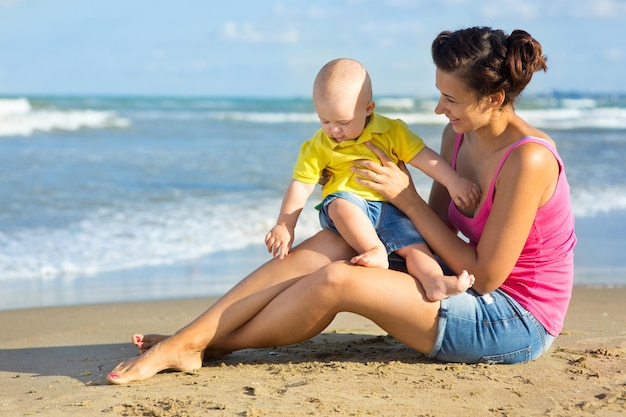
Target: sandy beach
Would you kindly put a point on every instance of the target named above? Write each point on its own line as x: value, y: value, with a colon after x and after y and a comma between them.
x: 53, y: 362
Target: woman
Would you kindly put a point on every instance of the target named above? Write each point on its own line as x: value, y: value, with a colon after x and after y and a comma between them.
x: 520, y: 249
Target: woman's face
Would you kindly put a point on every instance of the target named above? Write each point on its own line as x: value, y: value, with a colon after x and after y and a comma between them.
x: 459, y: 103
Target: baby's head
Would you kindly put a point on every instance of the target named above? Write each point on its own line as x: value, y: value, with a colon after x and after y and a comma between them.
x: 342, y: 95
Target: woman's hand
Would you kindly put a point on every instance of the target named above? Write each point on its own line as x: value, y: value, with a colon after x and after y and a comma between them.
x: 391, y: 180
x: 325, y: 177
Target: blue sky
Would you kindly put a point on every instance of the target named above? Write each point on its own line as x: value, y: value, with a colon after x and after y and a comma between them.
x: 274, y: 48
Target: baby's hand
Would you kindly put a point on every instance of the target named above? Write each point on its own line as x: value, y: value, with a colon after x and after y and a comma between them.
x: 279, y: 240
x: 464, y: 193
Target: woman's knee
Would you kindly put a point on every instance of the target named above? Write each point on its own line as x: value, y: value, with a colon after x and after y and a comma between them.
x: 334, y: 277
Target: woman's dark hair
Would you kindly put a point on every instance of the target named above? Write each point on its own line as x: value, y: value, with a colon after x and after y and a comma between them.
x: 489, y: 60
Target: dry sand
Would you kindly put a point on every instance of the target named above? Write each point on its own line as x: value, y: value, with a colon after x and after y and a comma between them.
x: 53, y: 362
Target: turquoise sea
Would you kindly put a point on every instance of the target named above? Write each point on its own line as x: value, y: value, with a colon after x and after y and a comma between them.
x: 140, y: 198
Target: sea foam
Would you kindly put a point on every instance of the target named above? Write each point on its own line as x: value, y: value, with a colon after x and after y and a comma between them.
x: 19, y: 118
x: 143, y: 235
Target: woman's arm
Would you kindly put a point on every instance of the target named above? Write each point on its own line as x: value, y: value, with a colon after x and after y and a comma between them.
x: 527, y: 177
x: 526, y: 182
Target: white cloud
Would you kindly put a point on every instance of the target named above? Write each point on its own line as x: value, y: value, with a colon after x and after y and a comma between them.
x: 298, y: 62
x: 402, y: 4
x: 389, y: 34
x: 9, y: 3
x: 159, y: 53
x: 316, y: 12
x: 534, y: 9
x: 510, y: 8
x: 283, y: 11
x: 600, y: 9
x: 615, y: 55
x: 199, y: 66
x: 247, y: 33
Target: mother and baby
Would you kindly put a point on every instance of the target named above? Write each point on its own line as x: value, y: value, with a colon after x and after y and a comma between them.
x: 499, y: 294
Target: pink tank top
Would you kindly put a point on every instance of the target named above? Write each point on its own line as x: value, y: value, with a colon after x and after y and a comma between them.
x: 541, y: 280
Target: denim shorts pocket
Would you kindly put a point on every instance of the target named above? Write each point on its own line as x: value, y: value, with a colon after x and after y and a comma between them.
x: 518, y: 356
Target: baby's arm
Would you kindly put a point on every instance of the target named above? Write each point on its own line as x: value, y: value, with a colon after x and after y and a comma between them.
x: 280, y: 238
x: 463, y: 192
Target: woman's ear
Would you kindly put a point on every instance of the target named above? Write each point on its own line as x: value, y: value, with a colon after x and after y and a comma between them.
x: 496, y: 99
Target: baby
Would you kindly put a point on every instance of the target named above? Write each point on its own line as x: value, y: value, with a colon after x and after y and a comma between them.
x: 373, y: 227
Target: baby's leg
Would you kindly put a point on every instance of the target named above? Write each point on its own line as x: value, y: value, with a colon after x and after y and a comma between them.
x: 423, y: 266
x: 357, y: 230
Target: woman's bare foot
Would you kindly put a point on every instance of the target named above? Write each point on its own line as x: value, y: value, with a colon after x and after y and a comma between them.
x: 144, y: 343
x: 375, y: 257
x: 167, y: 354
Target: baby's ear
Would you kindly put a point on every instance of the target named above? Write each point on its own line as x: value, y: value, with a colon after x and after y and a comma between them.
x: 370, y: 107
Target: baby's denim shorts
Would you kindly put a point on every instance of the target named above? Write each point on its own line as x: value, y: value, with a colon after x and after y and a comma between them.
x: 490, y: 328
x: 394, y: 228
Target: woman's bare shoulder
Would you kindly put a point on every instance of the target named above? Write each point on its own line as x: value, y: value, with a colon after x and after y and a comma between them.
x: 526, y: 130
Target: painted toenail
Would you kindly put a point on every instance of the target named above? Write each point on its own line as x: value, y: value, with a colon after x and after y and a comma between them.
x: 114, y: 376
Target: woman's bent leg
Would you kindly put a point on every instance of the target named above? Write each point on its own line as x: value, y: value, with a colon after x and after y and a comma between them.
x: 393, y: 300
x: 489, y: 328
x: 183, y: 351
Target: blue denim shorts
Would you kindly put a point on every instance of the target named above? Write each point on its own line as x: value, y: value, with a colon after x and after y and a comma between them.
x: 394, y: 228
x: 490, y: 328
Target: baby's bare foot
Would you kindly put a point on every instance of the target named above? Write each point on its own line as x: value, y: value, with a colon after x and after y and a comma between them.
x: 437, y: 289
x: 168, y: 354
x: 466, y: 280
x: 375, y: 257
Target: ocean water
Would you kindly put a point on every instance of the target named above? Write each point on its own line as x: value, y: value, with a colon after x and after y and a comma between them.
x: 139, y: 198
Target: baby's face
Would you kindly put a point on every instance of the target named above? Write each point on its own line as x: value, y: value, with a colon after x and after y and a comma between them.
x: 343, y: 119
